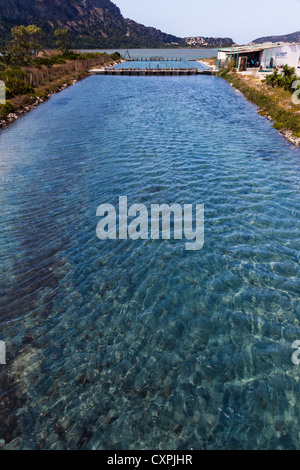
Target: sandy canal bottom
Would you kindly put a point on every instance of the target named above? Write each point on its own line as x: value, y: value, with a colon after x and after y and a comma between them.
x: 140, y: 344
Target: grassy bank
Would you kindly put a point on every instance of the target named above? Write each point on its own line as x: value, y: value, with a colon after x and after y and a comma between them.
x: 273, y: 102
x: 27, y: 86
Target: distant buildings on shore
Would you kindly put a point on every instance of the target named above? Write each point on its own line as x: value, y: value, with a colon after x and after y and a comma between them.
x: 201, y: 41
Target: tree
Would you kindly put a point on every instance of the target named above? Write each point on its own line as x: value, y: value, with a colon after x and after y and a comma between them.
x: 273, y: 79
x: 115, y: 56
x: 25, y: 45
x: 4, y: 58
x: 284, y: 80
x: 288, y: 72
x: 63, y: 40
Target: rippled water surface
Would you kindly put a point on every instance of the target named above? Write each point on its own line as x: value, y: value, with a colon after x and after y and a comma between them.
x: 141, y: 344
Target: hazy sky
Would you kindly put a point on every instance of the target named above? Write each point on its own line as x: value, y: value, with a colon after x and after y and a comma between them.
x: 239, y: 19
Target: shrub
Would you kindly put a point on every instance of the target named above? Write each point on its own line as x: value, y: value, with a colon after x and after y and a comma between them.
x: 6, y: 109
x: 115, y: 56
x: 223, y: 74
x: 284, y: 80
x: 14, y: 79
x: 59, y: 60
x: 55, y: 59
x: 72, y: 56
x: 44, y: 61
x: 17, y: 86
x: 272, y: 79
x: 28, y: 99
x: 13, y: 72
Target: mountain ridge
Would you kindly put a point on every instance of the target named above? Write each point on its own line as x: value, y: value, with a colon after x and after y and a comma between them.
x: 291, y: 37
x: 92, y: 23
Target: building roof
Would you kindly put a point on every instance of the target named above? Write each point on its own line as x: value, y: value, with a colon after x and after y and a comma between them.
x: 256, y: 47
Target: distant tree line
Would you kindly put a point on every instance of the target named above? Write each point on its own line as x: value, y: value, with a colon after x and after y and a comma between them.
x: 25, y: 47
x: 21, y: 57
x: 26, y: 44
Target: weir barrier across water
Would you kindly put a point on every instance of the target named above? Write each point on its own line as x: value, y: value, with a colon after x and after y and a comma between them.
x: 153, y: 71
x: 154, y: 59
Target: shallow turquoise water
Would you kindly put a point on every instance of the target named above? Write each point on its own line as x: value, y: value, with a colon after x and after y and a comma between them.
x: 141, y: 344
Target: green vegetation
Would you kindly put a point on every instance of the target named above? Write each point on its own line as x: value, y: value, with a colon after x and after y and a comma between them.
x: 275, y: 103
x: 6, y: 109
x: 15, y: 84
x: 55, y: 59
x: 284, y: 80
x: 14, y: 79
x: 62, y: 59
x: 63, y: 40
x: 28, y: 73
x: 116, y: 56
x: 24, y: 46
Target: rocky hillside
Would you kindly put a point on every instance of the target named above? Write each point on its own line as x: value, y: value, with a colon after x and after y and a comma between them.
x: 293, y: 37
x: 93, y: 23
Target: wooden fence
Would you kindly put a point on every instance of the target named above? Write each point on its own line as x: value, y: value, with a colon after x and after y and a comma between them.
x: 40, y: 76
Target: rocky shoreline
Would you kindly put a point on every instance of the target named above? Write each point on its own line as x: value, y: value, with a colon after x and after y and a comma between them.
x: 288, y: 135
x: 241, y: 86
x: 33, y: 101
x: 12, y: 117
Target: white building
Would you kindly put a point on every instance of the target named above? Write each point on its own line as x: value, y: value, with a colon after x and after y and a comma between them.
x: 263, y: 56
